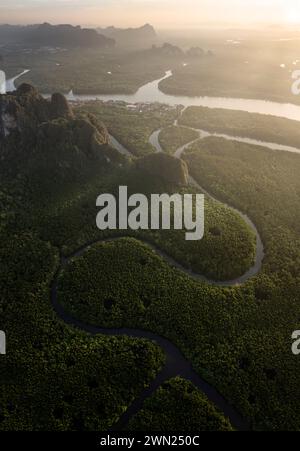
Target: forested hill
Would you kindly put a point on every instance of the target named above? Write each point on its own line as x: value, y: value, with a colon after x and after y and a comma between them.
x: 46, y: 147
x: 54, y: 36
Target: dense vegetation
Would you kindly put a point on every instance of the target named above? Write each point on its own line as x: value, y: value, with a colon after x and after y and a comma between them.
x: 61, y: 208
x: 178, y: 406
x: 277, y: 173
x: 265, y: 184
x: 109, y: 295
x: 237, y: 338
x: 165, y: 167
x: 227, y: 238
x: 53, y: 376
x: 88, y: 71
x: 256, y: 68
x: 238, y: 123
x: 171, y: 138
x: 132, y: 128
x: 46, y: 151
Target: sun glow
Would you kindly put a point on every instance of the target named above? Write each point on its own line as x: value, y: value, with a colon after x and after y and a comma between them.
x: 293, y: 14
x: 161, y: 13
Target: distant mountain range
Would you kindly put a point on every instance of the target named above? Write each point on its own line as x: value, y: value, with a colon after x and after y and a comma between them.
x: 168, y: 51
x: 54, y: 35
x: 145, y: 35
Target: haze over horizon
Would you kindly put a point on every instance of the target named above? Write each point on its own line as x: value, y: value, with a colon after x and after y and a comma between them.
x: 161, y: 13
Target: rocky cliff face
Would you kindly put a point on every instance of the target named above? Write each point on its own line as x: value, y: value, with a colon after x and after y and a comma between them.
x: 47, y: 151
x: 26, y: 108
x: 40, y: 136
x: 25, y: 111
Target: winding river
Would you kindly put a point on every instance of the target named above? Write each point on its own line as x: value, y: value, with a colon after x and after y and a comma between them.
x: 260, y: 254
x: 150, y: 93
x: 176, y: 364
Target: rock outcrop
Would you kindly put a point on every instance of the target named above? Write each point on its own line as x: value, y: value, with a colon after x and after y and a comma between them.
x: 39, y: 137
x: 59, y: 107
x: 26, y: 111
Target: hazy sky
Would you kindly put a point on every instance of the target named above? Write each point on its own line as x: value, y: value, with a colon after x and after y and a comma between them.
x: 161, y: 13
